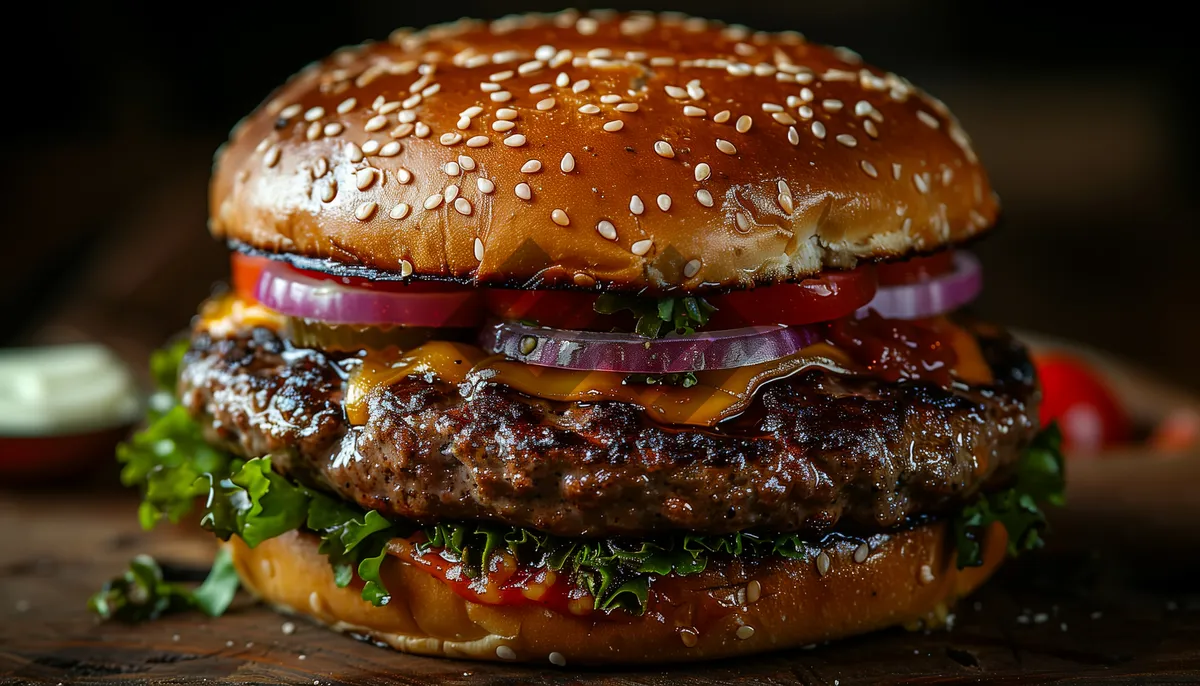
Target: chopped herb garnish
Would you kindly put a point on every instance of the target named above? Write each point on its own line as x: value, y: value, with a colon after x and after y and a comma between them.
x: 657, y: 317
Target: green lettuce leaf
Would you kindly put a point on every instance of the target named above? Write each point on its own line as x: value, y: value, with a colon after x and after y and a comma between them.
x: 142, y: 593
x: 657, y: 317
x: 1039, y: 478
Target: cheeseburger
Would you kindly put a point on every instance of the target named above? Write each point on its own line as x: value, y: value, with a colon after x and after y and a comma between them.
x: 595, y: 339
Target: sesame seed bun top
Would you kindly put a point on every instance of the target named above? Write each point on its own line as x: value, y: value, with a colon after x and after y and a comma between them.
x: 600, y: 150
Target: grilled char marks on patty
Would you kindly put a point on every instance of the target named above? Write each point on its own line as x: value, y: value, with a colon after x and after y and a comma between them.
x: 814, y: 451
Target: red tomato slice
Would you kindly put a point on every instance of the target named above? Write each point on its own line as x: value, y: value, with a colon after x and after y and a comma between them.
x: 245, y: 271
x: 1086, y: 410
x: 830, y: 296
x: 915, y: 269
x: 558, y: 309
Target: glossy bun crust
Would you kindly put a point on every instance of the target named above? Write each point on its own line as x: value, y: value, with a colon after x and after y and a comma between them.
x: 611, y: 151
x: 906, y: 578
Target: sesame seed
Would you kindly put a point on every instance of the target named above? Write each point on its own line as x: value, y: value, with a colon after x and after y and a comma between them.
x: 560, y: 58
x: 462, y: 206
x: 451, y: 192
x: 703, y: 171
x: 580, y: 86
x: 691, y: 268
x: 641, y: 247
x: 506, y: 113
x: 589, y: 109
x: 466, y: 162
x: 947, y: 176
x: 403, y: 175
x: 452, y: 169
x: 783, y: 118
x: 636, y: 206
x: 501, y: 96
x: 693, y: 111
x: 861, y: 552
x: 501, y: 76
x: 406, y: 271
x: 412, y: 101
x: 704, y: 197
x: 568, y: 163
x: 793, y: 135
x: 430, y: 90
x: 743, y: 222
x: 333, y: 128
x: 407, y: 116
x: 562, y: 80
x: 721, y: 117
x: 744, y: 632
x: 846, y: 140
x: 688, y: 637
x: 523, y: 191
x: 400, y: 211
x: 558, y: 660
x: 271, y: 157
x: 610, y: 99
x: 587, y: 26
x: 288, y: 628
x: 743, y: 124
x: 784, y: 189
x: 694, y: 91
x: 664, y: 149
x: 478, y: 141
x: 664, y: 202
x: 771, y: 107
x: 559, y: 217
x: 366, y: 210
x: 920, y: 182
x: 502, y: 126
x: 314, y: 114
x: 786, y: 203
x: 527, y: 68
x: 515, y: 141
x: 823, y: 563
x: 489, y: 87
x: 371, y: 147
x: 546, y: 104
x: 432, y: 202
x: 627, y: 107
x: 314, y: 131
x: 676, y: 92
x: 870, y: 128
x: 726, y: 147
x: 329, y: 191
x: 818, y: 130
x: 532, y: 167
x: 896, y: 170
x: 606, y: 229
x: 613, y: 126
x: 363, y: 178
x: 539, y: 88
x: 862, y: 108
x: 291, y: 111
x: 662, y: 61
x: 354, y: 153
x: 422, y: 130
x: 471, y: 112
x: 451, y: 138
x: 807, y: 95
x: 869, y: 169
x: 485, y: 186
x: 832, y: 105
x: 462, y: 124
x: 928, y: 119
x: 390, y: 149
x: 753, y: 591
x: 544, y: 52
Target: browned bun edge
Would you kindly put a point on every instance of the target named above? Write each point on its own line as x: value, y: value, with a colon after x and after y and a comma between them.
x: 907, y: 577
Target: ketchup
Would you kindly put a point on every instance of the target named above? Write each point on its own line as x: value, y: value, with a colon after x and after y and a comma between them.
x: 895, y: 349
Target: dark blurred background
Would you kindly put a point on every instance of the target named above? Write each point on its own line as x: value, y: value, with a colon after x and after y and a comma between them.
x: 1083, y: 116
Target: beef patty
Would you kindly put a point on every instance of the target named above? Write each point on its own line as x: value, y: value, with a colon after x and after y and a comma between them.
x: 815, y: 450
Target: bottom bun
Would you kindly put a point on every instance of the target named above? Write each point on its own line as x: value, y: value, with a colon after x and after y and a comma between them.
x: 906, y: 578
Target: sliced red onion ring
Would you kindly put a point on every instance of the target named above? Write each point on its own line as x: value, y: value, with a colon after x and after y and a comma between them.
x: 629, y: 353
x: 932, y: 297
x: 290, y: 292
